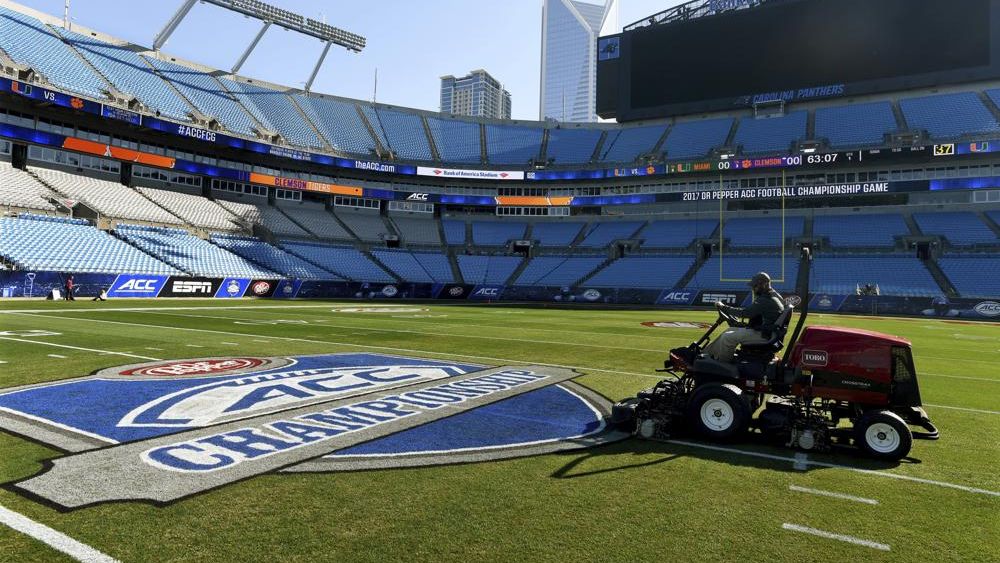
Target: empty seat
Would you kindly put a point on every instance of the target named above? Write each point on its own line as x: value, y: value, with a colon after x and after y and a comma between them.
x: 558, y: 271
x: 895, y: 274
x: 733, y: 271
x: 496, y: 233
x: 603, y: 234
x: 344, y: 261
x: 20, y: 189
x: 556, y: 234
x: 572, y: 146
x: 402, y: 132
x: 960, y: 228
x: 512, y: 144
x: 651, y: 272
x: 494, y: 270
x: 196, y: 210
x: 761, y: 232
x: 973, y: 275
x: 676, y: 233
x: 108, y: 198
x: 626, y: 145
x: 456, y: 141
x: 949, y: 116
x: 694, y: 139
x: 861, y: 231
x: 771, y: 134
x: 272, y: 258
x: 189, y: 253
x: 858, y: 125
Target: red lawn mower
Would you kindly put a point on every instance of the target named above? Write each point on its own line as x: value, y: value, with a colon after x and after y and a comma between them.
x: 827, y: 375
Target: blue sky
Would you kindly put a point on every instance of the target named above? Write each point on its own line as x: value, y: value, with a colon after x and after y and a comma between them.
x: 411, y: 42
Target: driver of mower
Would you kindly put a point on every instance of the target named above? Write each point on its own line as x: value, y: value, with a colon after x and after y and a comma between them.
x: 761, y: 315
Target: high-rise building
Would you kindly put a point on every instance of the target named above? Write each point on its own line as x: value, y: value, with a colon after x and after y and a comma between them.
x: 570, y: 29
x: 478, y: 95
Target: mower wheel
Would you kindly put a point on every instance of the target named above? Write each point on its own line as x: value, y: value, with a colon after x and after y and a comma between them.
x: 718, y: 412
x: 883, y: 435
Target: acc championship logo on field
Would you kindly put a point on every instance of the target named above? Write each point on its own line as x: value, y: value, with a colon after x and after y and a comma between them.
x: 159, y: 432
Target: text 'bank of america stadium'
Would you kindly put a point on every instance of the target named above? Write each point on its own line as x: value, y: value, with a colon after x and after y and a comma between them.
x: 133, y: 171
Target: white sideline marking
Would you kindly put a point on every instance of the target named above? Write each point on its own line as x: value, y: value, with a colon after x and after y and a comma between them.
x: 798, y: 489
x: 960, y: 409
x: 53, y: 538
x: 838, y: 537
x: 78, y: 348
x: 837, y: 466
x: 194, y: 346
x: 960, y: 377
x: 229, y: 343
x: 801, y: 462
x: 57, y: 356
x: 154, y: 349
x: 364, y: 346
x: 218, y: 308
x: 2, y: 362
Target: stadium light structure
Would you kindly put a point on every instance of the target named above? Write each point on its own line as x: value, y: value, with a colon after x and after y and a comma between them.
x: 694, y: 9
x: 271, y: 15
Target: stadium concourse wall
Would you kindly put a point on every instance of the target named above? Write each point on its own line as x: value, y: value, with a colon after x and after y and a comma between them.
x: 41, y: 284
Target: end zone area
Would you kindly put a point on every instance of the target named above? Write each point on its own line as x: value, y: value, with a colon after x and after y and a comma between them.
x: 622, y: 500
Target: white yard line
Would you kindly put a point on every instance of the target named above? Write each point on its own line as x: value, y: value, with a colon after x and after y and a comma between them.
x: 841, y: 496
x: 53, y: 538
x: 980, y: 411
x: 77, y: 347
x: 838, y: 537
x: 56, y: 356
x: 959, y: 377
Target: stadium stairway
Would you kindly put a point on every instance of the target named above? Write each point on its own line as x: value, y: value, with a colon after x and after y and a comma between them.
x: 989, y: 222
x: 692, y: 271
x: 897, y: 112
x: 578, y: 283
x: 946, y: 285
x: 911, y: 224
x: 990, y: 105
x: 371, y: 256
x: 430, y: 140
x: 326, y: 142
x: 297, y: 224
x: 380, y: 149
x: 456, y: 270
x: 517, y: 271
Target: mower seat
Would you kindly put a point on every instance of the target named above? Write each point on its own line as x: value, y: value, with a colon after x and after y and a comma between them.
x: 765, y: 351
x: 710, y: 366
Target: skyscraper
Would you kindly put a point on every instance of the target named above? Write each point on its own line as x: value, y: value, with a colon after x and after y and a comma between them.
x: 570, y: 29
x: 478, y: 95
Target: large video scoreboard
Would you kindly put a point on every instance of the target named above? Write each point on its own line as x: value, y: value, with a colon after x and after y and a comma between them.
x: 794, y: 50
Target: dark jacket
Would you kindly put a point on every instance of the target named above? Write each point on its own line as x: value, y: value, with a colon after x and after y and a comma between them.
x: 762, y: 313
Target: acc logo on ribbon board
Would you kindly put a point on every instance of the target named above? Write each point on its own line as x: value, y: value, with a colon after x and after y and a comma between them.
x: 159, y: 432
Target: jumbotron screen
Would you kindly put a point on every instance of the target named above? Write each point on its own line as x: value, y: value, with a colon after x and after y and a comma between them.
x: 797, y: 49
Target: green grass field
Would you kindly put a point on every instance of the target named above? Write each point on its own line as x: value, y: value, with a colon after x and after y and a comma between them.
x: 629, y: 501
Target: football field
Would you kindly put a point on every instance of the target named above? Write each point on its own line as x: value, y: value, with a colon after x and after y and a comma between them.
x: 629, y: 500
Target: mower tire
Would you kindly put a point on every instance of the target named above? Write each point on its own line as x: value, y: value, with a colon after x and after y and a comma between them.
x: 883, y: 435
x: 718, y: 412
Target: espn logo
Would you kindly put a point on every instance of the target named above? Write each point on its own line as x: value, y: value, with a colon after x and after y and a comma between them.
x: 192, y: 287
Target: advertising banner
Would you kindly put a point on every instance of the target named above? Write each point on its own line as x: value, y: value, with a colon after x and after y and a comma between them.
x: 286, y: 289
x: 678, y: 297
x: 232, y: 288
x: 727, y: 296
x: 178, y: 286
x: 137, y: 285
x: 470, y: 174
x: 262, y: 288
x: 452, y: 291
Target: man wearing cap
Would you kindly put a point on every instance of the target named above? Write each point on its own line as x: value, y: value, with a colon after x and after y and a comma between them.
x: 761, y: 315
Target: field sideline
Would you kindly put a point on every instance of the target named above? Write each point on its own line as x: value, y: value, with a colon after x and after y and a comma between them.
x: 632, y: 500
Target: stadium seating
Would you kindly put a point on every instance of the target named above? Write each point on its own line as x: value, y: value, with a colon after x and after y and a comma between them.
x: 894, y: 274
x: 487, y: 269
x: 312, y: 216
x: 20, y: 189
x: 196, y: 210
x: 426, y: 267
x: 949, y: 116
x: 960, y: 228
x: 456, y: 141
x: 367, y: 225
x: 279, y: 224
x: 339, y: 122
x: 677, y: 233
x: 454, y: 231
x: 556, y: 234
x: 189, y: 253
x: 649, y: 272
x: 855, y: 126
x: 625, y: 145
x: 130, y: 74
x: 344, y: 261
x: 276, y: 111
x: 31, y: 43
x: 496, y: 233
x: 735, y: 270
x: 512, y: 144
x: 414, y: 230
x: 761, y: 232
x: 771, y: 134
x: 694, y: 139
x: 34, y: 242
x: 572, y: 146
x: 973, y: 275
x: 603, y: 234
x: 108, y: 198
x: 402, y: 132
x: 207, y: 95
x: 244, y: 212
x: 558, y: 271
x: 271, y: 257
x: 860, y: 231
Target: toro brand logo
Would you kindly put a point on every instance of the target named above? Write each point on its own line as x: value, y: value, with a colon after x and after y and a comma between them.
x: 816, y: 358
x: 988, y: 308
x: 160, y: 432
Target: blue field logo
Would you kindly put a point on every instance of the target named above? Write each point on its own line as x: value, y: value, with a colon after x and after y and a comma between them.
x: 133, y: 285
x: 162, y: 431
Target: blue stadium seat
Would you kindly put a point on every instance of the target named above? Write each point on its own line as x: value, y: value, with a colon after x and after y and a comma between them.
x: 860, y: 231
x: 625, y: 145
x: 894, y: 274
x: 603, y: 234
x: 651, y: 272
x: 402, y: 132
x: 272, y: 257
x: 761, y: 232
x: 973, y: 275
x: 496, y: 233
x: 32, y: 43
x: 208, y: 95
x: 456, y: 141
x: 771, y: 135
x: 694, y: 139
x: 960, y: 228
x: 572, y: 146
x: 949, y: 116
x: 454, y: 231
x: 558, y: 271
x: 339, y: 122
x: 275, y: 110
x: 677, y: 233
x: 556, y: 234
x: 737, y: 269
x: 487, y: 269
x: 189, y: 253
x: 512, y: 144
x: 419, y: 267
x: 344, y: 261
x: 855, y: 126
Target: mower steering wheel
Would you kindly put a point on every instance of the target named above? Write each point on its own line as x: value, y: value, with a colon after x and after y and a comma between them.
x: 730, y: 320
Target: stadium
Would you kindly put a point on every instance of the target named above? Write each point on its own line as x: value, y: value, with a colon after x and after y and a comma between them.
x: 307, y: 327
